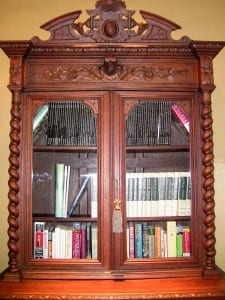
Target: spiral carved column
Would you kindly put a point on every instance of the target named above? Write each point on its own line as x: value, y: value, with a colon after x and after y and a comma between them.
x: 14, y: 160
x: 208, y: 165
x: 13, y: 184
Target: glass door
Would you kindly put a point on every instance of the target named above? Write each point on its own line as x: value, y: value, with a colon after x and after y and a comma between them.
x: 65, y: 181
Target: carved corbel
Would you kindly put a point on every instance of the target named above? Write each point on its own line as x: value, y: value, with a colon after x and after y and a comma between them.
x: 110, y: 66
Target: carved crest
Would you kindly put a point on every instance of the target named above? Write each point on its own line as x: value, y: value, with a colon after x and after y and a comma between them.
x: 109, y: 22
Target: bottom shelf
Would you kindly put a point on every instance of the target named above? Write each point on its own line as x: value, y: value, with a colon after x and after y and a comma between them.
x: 171, y: 288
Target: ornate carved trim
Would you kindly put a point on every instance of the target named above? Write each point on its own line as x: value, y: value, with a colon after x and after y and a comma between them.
x: 93, y: 104
x: 110, y: 22
x: 206, y: 71
x: 112, y: 71
x: 120, y: 296
x: 130, y: 104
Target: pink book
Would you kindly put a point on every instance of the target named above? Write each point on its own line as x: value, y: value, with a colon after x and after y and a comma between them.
x: 181, y: 116
x: 83, y: 243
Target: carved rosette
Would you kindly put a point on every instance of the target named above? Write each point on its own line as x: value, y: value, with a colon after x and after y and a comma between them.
x: 208, y: 166
x: 14, y: 160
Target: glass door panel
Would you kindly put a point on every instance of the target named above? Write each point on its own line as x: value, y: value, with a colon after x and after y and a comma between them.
x: 64, y: 184
x: 158, y: 181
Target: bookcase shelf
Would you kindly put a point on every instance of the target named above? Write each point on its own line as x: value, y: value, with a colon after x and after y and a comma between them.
x: 64, y: 148
x: 169, y: 148
x: 44, y: 218
x: 159, y: 218
x: 111, y: 159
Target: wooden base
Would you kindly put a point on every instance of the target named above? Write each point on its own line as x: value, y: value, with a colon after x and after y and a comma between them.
x: 173, y: 288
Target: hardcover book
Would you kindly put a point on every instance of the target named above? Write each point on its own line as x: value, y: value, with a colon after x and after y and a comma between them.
x: 39, y: 239
x: 181, y: 116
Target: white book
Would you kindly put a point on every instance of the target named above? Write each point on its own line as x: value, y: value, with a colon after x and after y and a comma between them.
x: 68, y: 243
x: 94, y: 241
x: 171, y: 238
x: 59, y: 190
x: 45, y: 244
x: 94, y: 195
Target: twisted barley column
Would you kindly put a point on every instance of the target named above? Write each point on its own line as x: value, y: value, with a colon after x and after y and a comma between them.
x: 208, y: 182
x: 14, y: 183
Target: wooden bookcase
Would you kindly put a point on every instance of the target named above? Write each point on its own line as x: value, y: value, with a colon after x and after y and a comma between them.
x: 105, y: 90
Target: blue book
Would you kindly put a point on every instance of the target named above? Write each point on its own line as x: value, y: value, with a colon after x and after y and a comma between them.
x: 138, y: 248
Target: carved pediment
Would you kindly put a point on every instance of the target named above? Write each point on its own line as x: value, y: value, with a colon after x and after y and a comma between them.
x: 109, y: 22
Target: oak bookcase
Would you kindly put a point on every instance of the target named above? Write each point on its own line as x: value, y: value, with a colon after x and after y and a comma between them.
x: 99, y: 97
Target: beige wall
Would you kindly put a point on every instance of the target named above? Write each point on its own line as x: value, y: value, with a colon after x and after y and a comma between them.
x: 200, y: 19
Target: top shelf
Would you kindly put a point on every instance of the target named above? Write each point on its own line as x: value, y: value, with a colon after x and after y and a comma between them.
x: 161, y: 148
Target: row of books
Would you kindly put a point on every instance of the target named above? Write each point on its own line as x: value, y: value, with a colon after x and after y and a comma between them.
x: 159, y: 240
x: 149, y: 124
x: 73, y: 123
x: 62, y: 190
x: 80, y: 240
x: 158, y: 194
x: 66, y: 123
x: 149, y: 194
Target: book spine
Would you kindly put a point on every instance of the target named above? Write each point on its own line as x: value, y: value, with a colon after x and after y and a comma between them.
x: 78, y: 195
x: 83, y: 240
x: 94, y: 241
x: 179, y: 241
x: 151, y: 234
x: 186, y: 242
x: 59, y: 190
x: 157, y: 241
x: 76, y: 242
x: 131, y: 239
x: 50, y: 244
x: 45, y: 243
x: 188, y: 196
x: 138, y: 240
x: 94, y: 195
x: 145, y: 240
x: 68, y: 243
x: 171, y: 238
x: 39, y: 239
x: 182, y: 116
x: 40, y: 115
x: 182, y: 190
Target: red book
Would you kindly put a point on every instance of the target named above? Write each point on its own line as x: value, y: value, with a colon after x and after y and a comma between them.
x: 76, y: 241
x: 181, y: 116
x: 186, y: 242
x: 83, y: 235
x: 38, y: 239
